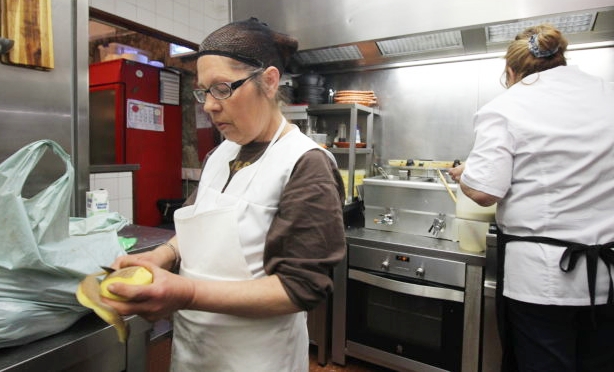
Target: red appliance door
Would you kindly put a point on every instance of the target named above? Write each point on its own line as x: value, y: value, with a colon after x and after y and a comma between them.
x: 107, y: 129
x: 158, y: 152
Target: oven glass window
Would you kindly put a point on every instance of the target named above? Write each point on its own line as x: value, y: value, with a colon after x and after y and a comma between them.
x: 420, y: 328
x: 408, y: 319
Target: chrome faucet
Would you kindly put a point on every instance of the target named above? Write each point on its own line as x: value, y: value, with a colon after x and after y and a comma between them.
x: 387, y: 218
x: 439, y: 224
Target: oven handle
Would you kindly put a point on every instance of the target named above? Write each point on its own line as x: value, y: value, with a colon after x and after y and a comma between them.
x: 407, y: 288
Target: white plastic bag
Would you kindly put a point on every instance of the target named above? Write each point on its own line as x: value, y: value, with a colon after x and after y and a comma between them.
x: 44, y: 254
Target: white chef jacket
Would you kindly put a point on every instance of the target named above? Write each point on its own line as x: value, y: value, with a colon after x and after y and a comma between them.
x: 546, y: 146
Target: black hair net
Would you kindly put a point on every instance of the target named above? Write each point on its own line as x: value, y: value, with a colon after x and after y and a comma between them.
x: 252, y: 42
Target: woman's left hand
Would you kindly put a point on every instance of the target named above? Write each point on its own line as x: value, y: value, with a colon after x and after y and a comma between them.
x: 455, y: 173
x: 167, y: 293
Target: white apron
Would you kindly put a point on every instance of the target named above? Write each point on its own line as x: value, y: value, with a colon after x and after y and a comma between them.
x: 221, y: 237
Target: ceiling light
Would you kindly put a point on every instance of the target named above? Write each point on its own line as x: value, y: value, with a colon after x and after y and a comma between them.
x: 326, y: 55
x: 420, y: 43
x: 567, y: 24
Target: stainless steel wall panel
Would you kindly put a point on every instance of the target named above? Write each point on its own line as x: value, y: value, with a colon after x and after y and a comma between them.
x: 427, y: 110
x: 321, y: 23
x: 49, y: 104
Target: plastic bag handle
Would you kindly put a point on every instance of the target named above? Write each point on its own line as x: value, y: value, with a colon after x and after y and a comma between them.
x: 48, y: 211
x: 15, y: 170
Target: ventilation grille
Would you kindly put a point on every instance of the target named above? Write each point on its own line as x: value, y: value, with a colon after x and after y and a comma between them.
x: 567, y: 24
x: 327, y: 55
x: 421, y: 43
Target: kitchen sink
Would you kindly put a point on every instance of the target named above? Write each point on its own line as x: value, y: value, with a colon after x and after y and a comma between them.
x: 420, y: 206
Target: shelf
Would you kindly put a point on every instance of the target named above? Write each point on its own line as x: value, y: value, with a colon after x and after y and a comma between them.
x: 354, y: 115
x: 340, y: 109
x: 337, y: 150
x: 295, y: 112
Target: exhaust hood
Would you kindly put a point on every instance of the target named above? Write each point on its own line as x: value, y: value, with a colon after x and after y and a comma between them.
x: 357, y: 34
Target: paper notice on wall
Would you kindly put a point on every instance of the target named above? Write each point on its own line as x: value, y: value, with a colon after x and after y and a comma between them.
x: 144, y: 116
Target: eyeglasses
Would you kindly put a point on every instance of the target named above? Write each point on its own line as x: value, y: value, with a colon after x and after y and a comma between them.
x: 220, y: 90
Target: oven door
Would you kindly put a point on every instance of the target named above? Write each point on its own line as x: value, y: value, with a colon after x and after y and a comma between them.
x: 406, y: 318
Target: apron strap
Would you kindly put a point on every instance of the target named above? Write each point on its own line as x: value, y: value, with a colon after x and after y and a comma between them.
x: 508, y: 361
x: 573, y: 251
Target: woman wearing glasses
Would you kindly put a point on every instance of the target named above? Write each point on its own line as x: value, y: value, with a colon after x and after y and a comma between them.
x: 255, y: 246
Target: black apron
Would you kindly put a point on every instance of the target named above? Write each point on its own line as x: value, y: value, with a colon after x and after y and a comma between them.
x: 567, y: 263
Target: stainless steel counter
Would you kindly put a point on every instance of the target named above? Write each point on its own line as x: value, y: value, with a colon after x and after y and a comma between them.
x: 90, y: 344
x: 416, y: 244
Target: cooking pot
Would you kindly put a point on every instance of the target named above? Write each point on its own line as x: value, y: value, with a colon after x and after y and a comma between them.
x: 311, y: 78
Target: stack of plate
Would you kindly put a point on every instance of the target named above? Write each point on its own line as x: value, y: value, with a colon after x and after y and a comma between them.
x: 363, y: 97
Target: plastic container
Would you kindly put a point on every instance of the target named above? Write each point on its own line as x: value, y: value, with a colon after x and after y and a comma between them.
x: 359, y: 175
x: 472, y: 235
x: 319, y: 138
x: 114, y: 51
x: 469, y: 210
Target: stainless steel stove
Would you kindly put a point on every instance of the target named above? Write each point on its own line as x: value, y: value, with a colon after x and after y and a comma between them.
x: 408, y: 298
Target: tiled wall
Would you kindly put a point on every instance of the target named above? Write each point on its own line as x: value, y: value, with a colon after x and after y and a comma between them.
x: 119, y: 186
x: 190, y: 20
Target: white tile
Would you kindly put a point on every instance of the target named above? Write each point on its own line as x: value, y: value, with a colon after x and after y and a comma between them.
x: 109, y: 184
x: 197, y: 5
x: 182, y: 2
x: 106, y: 175
x: 181, y: 30
x: 125, y: 208
x: 147, y: 5
x: 125, y: 186
x: 104, y: 5
x: 197, y: 21
x: 127, y: 1
x: 164, y: 7
x: 164, y: 24
x: 126, y: 10
x: 181, y: 14
x: 217, y: 9
x: 146, y: 17
x: 196, y: 36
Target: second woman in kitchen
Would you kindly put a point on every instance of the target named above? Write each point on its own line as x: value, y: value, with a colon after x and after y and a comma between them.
x: 544, y: 151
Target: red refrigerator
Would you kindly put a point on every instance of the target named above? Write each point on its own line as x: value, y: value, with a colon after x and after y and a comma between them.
x: 135, y: 118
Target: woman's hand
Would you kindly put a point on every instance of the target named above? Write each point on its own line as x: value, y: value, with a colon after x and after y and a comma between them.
x: 167, y: 293
x: 455, y: 173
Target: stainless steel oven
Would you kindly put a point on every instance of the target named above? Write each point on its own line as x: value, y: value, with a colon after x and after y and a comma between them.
x: 404, y: 311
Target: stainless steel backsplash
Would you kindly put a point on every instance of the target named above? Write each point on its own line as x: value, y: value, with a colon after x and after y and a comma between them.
x: 427, y: 110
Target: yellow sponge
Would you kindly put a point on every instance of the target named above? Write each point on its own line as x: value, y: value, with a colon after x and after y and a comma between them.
x: 135, y: 275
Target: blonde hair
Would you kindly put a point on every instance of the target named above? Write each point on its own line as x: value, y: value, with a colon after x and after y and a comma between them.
x: 537, y: 48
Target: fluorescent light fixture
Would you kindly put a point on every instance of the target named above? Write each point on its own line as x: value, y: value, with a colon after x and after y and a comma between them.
x: 567, y: 24
x: 327, y: 55
x: 421, y: 43
x: 179, y: 50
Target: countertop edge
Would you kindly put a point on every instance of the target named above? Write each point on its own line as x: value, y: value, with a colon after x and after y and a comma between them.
x: 415, y: 244
x: 108, y: 168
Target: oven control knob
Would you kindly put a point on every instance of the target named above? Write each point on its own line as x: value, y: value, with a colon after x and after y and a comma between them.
x: 385, y: 265
x: 420, y: 272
